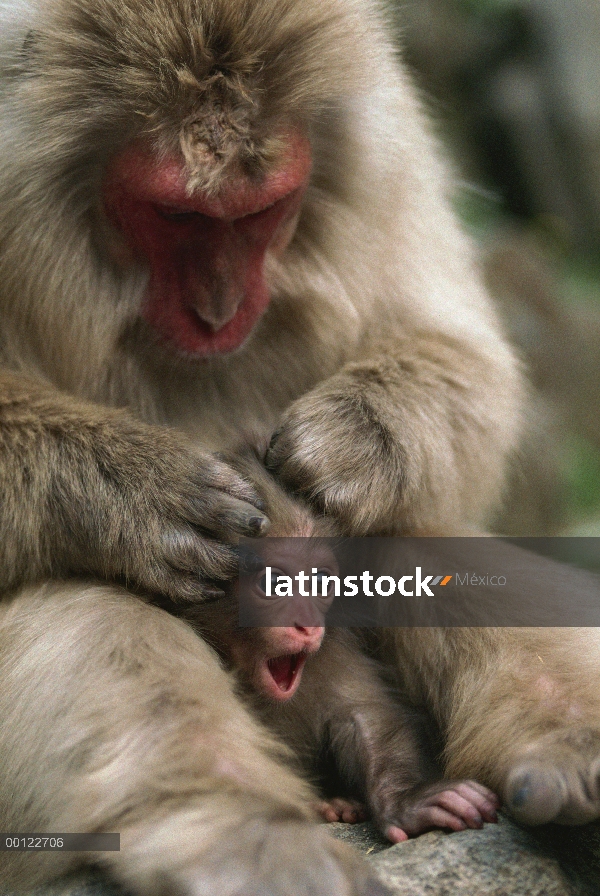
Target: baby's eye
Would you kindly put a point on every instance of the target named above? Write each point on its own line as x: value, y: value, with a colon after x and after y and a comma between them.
x: 320, y: 575
x: 262, y: 582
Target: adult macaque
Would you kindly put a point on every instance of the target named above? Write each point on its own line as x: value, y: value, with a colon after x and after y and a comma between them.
x: 321, y: 694
x: 219, y: 218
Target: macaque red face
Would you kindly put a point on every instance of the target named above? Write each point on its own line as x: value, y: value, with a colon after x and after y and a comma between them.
x: 205, y: 248
x: 271, y: 658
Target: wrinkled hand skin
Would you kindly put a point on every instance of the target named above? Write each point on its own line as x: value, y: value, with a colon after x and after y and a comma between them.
x: 177, y: 530
x: 171, y: 517
x: 93, y: 491
x: 454, y: 805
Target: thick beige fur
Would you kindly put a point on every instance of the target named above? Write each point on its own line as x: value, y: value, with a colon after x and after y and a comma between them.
x: 379, y: 362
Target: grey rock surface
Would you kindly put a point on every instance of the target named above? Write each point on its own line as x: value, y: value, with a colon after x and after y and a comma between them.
x: 500, y: 860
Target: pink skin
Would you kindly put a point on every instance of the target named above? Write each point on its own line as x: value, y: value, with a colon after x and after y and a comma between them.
x: 273, y: 663
x: 206, y: 253
x: 454, y: 805
x: 279, y: 675
x: 276, y: 670
x: 338, y: 809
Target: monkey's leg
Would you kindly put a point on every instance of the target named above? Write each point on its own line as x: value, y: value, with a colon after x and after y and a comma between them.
x: 115, y: 717
x: 520, y: 711
x: 379, y: 749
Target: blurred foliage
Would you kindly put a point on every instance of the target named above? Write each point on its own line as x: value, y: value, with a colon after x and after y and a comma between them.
x: 479, y: 7
x: 582, y: 477
x: 524, y: 172
x: 582, y: 280
x: 480, y: 210
x: 482, y: 213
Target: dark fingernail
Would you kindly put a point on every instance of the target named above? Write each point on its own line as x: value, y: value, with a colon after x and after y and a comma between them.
x: 210, y: 594
x: 254, y: 525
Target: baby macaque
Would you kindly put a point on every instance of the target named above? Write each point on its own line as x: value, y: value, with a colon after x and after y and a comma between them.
x: 322, y: 695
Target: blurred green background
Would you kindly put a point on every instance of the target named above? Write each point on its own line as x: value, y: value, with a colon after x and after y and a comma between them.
x: 514, y: 87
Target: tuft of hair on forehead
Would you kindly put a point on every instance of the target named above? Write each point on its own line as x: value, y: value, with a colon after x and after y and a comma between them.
x: 204, y: 75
